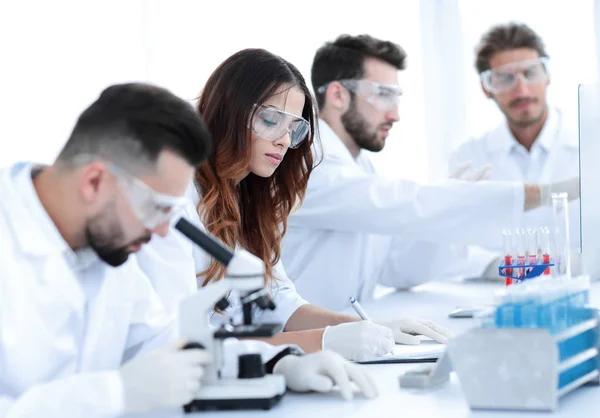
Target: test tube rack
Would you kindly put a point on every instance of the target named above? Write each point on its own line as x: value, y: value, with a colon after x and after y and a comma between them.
x: 526, y: 368
x: 532, y: 270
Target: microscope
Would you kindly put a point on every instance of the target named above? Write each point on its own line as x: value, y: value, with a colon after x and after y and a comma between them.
x: 252, y: 388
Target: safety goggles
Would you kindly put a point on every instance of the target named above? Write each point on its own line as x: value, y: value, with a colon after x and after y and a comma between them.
x: 505, y: 77
x: 149, y: 206
x: 382, y: 96
x: 272, y: 123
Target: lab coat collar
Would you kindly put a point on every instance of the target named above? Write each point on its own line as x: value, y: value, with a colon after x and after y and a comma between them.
x: 33, y: 229
x: 332, y: 143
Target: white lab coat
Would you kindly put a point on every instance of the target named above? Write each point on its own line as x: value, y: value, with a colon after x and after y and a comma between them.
x: 335, y: 249
x: 172, y: 264
x: 554, y: 156
x: 68, y: 320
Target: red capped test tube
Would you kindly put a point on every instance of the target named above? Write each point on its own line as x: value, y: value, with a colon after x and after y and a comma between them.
x: 520, y: 239
x: 508, y: 251
x: 532, y: 247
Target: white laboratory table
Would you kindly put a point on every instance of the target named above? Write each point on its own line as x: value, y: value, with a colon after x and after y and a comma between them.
x: 433, y: 301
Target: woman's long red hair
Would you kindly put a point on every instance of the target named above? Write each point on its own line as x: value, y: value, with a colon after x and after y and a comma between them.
x: 252, y: 213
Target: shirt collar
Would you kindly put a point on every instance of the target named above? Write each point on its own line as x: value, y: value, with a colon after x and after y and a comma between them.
x: 502, y: 139
x: 548, y: 137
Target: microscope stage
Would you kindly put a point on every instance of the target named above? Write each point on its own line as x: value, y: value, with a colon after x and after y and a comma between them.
x: 259, y: 393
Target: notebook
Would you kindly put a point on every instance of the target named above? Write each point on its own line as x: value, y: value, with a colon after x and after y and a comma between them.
x: 426, y: 352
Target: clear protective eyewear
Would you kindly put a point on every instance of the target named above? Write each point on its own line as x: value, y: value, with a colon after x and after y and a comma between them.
x: 383, y: 96
x: 272, y: 123
x: 505, y: 77
x: 149, y: 206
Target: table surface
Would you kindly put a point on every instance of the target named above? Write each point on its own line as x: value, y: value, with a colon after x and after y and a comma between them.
x: 432, y: 301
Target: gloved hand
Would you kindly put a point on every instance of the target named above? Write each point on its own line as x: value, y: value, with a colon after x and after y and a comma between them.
x: 463, y: 172
x: 405, y: 330
x: 358, y: 340
x: 165, y: 378
x: 321, y: 371
x: 569, y: 186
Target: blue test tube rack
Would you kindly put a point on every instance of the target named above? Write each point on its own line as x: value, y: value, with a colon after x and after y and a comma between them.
x: 531, y: 270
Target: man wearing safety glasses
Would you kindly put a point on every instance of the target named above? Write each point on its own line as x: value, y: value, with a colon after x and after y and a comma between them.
x: 82, y: 331
x: 536, y: 143
x: 356, y: 229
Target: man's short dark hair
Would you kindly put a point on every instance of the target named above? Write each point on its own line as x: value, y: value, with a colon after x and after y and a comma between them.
x: 131, y: 124
x: 344, y: 59
x: 503, y: 38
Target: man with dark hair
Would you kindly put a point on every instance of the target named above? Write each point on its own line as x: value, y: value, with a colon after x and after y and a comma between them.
x: 365, y: 67
x: 82, y: 331
x: 68, y: 317
x: 356, y: 229
x: 535, y: 143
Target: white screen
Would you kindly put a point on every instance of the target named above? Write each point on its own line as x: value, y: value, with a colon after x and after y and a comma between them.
x: 589, y: 166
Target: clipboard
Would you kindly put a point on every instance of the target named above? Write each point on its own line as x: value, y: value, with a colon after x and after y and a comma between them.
x: 428, y: 351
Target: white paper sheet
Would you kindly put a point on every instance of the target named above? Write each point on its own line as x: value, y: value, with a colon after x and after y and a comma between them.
x: 428, y: 349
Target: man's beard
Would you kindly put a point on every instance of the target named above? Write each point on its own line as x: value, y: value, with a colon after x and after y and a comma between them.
x: 358, y: 128
x: 103, y: 232
x: 525, y: 123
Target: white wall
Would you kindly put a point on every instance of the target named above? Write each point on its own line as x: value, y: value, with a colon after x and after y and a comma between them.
x: 62, y: 54
x: 57, y: 56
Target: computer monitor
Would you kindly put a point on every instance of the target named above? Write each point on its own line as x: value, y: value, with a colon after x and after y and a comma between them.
x: 589, y: 174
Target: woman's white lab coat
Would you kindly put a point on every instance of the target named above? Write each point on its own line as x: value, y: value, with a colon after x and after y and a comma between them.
x: 554, y: 156
x: 172, y: 264
x: 355, y: 226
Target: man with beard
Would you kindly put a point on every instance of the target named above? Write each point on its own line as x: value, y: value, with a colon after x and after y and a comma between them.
x: 356, y: 229
x: 72, y: 306
x: 536, y: 143
x: 82, y: 332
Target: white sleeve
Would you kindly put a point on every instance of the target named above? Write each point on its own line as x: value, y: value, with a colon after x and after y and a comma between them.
x: 283, y: 291
x: 233, y: 348
x: 458, y: 156
x: 342, y: 197
x: 411, y: 263
x: 151, y: 325
x: 84, y: 395
x: 169, y: 265
x: 287, y: 300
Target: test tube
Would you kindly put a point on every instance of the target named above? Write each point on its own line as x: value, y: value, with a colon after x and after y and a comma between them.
x: 520, y: 241
x: 508, y: 251
x: 532, y: 247
x: 545, y: 247
x: 562, y: 256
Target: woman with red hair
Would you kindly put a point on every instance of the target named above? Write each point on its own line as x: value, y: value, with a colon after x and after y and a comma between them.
x: 262, y: 116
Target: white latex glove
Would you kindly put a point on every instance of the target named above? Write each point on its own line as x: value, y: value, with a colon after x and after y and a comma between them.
x: 358, y: 340
x: 165, y: 378
x: 569, y: 186
x: 322, y: 371
x: 463, y: 172
x: 405, y: 330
